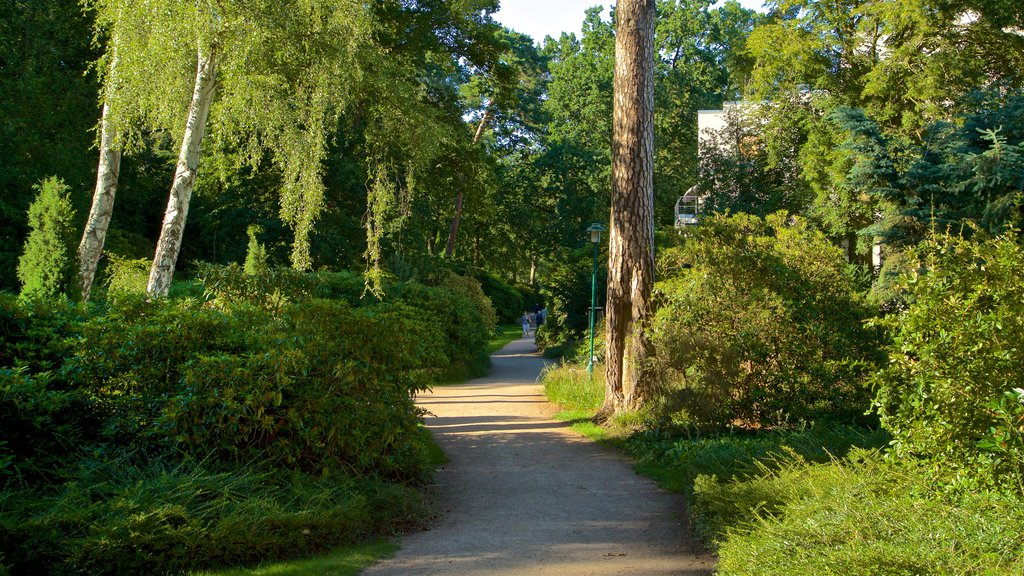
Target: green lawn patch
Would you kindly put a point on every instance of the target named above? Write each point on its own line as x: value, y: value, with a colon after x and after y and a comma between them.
x: 345, y: 561
x: 503, y: 335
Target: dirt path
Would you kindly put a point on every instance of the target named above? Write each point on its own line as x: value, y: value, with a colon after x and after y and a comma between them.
x: 524, y: 495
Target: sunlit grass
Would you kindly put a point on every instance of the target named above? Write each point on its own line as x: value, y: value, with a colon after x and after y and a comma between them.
x: 346, y: 561
x: 504, y: 334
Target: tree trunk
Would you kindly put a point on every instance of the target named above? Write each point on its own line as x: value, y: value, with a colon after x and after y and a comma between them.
x: 169, y: 245
x: 453, y: 230
x: 95, y: 233
x: 631, y: 238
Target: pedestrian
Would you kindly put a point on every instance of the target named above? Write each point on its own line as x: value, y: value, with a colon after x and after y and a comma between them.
x: 526, y: 324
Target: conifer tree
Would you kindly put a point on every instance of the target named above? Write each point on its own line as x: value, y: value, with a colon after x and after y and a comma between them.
x: 45, y: 268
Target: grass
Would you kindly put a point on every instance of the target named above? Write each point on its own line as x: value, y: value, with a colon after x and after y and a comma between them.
x: 113, y: 519
x: 861, y: 516
x: 503, y: 335
x: 814, y: 501
x: 344, y: 561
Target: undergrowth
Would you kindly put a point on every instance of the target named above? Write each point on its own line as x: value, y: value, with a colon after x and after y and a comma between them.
x: 158, y: 519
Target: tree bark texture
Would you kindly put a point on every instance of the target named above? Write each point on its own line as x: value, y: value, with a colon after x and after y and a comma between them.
x: 95, y: 234
x: 631, y: 237
x: 167, y: 248
x: 453, y: 230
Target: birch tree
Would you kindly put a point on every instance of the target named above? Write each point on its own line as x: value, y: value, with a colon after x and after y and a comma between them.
x: 281, y: 71
x: 96, y: 226
x: 631, y: 242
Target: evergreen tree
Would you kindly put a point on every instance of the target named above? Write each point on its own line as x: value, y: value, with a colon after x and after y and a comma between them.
x: 45, y: 268
x: 256, y: 256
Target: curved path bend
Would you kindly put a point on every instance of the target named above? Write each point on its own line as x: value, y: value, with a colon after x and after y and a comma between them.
x: 524, y: 495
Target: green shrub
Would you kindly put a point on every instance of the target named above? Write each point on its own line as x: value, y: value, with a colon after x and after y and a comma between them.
x: 319, y: 399
x: 507, y: 301
x: 126, y: 277
x: 46, y: 267
x: 952, y: 388
x: 465, y: 332
x: 270, y: 290
x: 132, y: 358
x: 760, y: 324
x: 470, y: 289
x: 344, y: 285
x: 43, y: 427
x: 36, y: 333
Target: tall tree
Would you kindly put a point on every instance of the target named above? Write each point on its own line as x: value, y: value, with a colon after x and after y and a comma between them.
x: 631, y: 242
x: 286, y: 70
x: 171, y: 233
x: 96, y: 226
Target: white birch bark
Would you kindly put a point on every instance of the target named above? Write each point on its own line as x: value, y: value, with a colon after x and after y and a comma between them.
x: 95, y: 233
x: 167, y: 248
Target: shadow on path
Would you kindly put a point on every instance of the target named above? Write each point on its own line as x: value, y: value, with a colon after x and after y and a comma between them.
x: 524, y: 495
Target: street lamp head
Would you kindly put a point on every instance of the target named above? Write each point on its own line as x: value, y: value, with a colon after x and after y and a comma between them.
x: 595, y: 232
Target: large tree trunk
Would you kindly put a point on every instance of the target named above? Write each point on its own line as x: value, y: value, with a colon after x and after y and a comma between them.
x: 95, y: 233
x: 453, y: 229
x: 631, y: 239
x: 169, y: 245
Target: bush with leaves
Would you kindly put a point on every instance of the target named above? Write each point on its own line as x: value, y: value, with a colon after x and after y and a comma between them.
x: 507, y: 301
x: 35, y: 334
x: 331, y: 390
x: 46, y: 266
x: 953, y: 389
x: 43, y: 425
x: 465, y: 332
x: 270, y: 289
x: 760, y: 324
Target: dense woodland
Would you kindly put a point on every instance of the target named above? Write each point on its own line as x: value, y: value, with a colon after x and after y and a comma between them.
x: 339, y: 168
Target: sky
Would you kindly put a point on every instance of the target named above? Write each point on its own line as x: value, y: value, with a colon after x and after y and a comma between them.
x: 542, y: 17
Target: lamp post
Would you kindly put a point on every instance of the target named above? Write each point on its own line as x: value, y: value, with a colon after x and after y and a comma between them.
x: 595, y: 239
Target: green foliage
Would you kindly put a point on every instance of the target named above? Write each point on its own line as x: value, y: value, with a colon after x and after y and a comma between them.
x: 43, y: 426
x: 344, y: 285
x: 186, y: 433
x: 677, y: 461
x: 46, y: 267
x: 256, y: 255
x: 34, y: 334
x: 126, y: 277
x: 117, y: 519
x: 465, y: 331
x: 470, y: 289
x: 569, y: 386
x: 270, y: 290
x: 301, y: 403
x: 950, y: 390
x: 760, y: 324
x: 507, y: 301
x: 859, y: 516
x: 47, y: 112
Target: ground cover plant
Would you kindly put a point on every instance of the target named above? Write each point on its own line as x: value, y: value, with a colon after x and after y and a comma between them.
x: 255, y: 422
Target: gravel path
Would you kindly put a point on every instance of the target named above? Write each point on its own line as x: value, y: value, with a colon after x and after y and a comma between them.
x: 524, y: 495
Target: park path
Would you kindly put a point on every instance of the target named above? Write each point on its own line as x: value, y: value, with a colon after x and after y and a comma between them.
x: 524, y: 495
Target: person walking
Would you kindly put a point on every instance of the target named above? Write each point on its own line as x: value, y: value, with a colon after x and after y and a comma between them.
x: 526, y: 324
